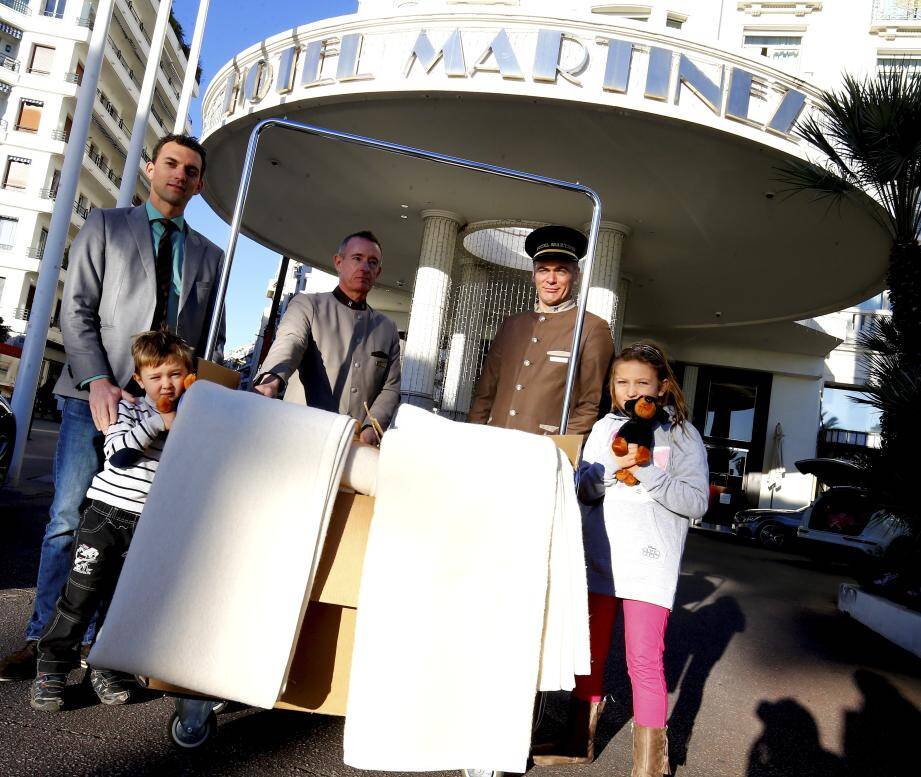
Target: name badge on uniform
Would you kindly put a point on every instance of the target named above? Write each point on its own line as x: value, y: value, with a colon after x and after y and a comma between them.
x: 380, y: 359
x: 560, y: 357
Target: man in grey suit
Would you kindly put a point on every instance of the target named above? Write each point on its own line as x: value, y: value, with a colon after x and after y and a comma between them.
x: 130, y: 270
x: 335, y: 352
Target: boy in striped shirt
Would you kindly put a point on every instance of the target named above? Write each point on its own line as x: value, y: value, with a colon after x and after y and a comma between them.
x: 132, y: 448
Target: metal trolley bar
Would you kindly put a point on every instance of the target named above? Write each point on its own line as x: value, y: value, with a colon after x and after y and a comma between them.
x: 418, y: 153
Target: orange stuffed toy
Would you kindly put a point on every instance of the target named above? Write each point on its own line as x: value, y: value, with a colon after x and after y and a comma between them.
x: 644, y: 413
x: 168, y: 404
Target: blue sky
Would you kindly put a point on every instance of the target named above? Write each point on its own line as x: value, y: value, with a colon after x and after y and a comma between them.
x: 231, y: 28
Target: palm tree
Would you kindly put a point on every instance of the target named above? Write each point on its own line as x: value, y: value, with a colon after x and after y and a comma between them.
x: 869, y: 134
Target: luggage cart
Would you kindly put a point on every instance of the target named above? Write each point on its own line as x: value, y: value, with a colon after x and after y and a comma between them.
x: 194, y: 721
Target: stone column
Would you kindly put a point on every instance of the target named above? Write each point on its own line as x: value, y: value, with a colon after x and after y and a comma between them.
x: 468, y: 331
x: 429, y: 306
x: 623, y: 295
x: 604, y: 295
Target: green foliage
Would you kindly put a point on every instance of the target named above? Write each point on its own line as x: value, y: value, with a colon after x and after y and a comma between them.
x: 869, y: 135
x: 868, y: 138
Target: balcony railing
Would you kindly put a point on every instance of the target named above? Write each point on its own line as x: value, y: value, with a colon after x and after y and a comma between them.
x: 63, y: 135
x: 5, y: 247
x: 81, y: 211
x: 861, y: 322
x: 110, y: 109
x: 17, y: 5
x: 73, y: 78
x: 137, y: 19
x: 96, y: 159
x: 87, y: 21
x: 124, y: 62
x: 9, y: 63
x: 35, y: 252
x: 897, y: 10
x: 48, y: 194
x: 53, y: 13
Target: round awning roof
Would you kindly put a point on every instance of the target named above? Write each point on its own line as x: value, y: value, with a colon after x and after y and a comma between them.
x: 712, y: 241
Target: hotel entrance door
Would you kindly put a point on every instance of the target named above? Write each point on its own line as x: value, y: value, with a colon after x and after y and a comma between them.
x: 730, y: 410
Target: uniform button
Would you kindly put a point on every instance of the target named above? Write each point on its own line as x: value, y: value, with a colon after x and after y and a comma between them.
x: 358, y: 317
x: 519, y: 387
x: 527, y: 362
x: 533, y: 339
x: 542, y: 318
x: 357, y: 365
x: 513, y: 412
x: 354, y: 390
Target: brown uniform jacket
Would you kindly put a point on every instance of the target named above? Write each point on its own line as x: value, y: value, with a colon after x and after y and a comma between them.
x: 524, y: 378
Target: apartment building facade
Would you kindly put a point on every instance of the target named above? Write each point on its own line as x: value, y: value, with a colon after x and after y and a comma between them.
x: 43, y: 48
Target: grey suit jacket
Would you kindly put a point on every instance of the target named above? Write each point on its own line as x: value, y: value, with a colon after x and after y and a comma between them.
x: 110, y: 293
x: 337, y: 358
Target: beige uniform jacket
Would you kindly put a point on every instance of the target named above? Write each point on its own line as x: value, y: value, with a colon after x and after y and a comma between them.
x: 336, y: 358
x: 524, y: 377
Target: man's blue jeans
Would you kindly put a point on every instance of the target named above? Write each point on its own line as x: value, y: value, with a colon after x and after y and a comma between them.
x: 77, y: 459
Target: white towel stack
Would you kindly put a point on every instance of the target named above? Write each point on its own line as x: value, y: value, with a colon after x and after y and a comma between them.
x: 473, y: 597
x: 217, y: 578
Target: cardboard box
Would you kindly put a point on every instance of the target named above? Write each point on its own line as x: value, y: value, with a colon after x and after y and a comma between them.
x: 215, y: 373
x: 318, y: 677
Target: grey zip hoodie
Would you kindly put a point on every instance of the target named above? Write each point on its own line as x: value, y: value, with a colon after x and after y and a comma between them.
x: 634, y: 535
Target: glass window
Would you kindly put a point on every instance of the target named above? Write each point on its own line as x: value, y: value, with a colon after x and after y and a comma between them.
x: 42, y: 59
x: 17, y: 173
x: 782, y: 48
x: 879, y: 302
x: 840, y: 411
x: 30, y: 114
x: 906, y: 62
x: 674, y: 22
x: 731, y: 411
x: 8, y: 231
x: 54, y: 8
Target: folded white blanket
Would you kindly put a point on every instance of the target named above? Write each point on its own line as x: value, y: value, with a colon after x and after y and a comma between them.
x: 466, y: 607
x: 217, y: 578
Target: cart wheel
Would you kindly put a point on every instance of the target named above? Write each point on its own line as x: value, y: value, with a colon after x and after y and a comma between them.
x: 189, y: 740
x: 481, y: 773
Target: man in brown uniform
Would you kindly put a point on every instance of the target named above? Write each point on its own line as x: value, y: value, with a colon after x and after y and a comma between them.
x: 524, y: 378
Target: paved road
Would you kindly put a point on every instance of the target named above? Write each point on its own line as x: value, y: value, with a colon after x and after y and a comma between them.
x: 766, y: 678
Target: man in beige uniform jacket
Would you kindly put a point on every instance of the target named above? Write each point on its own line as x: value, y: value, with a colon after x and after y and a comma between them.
x: 524, y: 378
x: 335, y: 352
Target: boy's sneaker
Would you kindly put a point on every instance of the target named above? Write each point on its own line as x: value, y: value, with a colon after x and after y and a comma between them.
x: 19, y: 665
x: 48, y: 692
x: 110, y: 686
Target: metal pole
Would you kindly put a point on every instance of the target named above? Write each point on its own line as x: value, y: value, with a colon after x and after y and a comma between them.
x: 188, y: 83
x: 33, y: 349
x: 271, y: 324
x: 417, y: 153
x: 139, y: 128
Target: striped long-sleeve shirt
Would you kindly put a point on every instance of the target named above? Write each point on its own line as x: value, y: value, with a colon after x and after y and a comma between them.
x: 139, y: 427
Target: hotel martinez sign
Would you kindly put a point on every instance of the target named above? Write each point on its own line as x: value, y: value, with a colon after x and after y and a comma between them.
x: 511, y: 55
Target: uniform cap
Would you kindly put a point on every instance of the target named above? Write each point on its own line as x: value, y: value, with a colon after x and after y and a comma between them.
x: 556, y: 242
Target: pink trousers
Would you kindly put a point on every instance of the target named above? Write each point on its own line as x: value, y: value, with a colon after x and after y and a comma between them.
x: 644, y: 630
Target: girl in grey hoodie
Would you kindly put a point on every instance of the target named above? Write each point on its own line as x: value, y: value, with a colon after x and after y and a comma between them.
x: 634, y: 540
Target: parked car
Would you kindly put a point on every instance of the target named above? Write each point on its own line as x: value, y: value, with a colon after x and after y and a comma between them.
x: 774, y: 529
x: 7, y: 437
x: 847, y: 517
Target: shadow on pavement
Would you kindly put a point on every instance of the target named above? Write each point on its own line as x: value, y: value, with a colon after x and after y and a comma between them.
x: 694, y: 643
x: 880, y: 738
